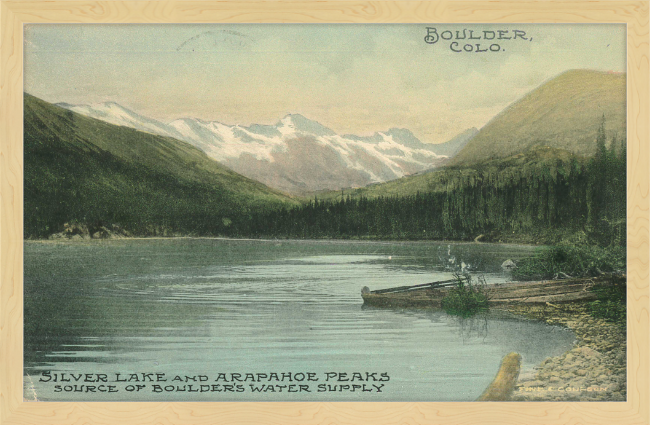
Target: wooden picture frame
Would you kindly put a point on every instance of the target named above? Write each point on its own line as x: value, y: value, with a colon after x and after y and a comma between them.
x: 13, y: 14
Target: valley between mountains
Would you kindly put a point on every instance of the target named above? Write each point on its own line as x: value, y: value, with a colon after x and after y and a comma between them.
x: 296, y: 155
x: 551, y: 166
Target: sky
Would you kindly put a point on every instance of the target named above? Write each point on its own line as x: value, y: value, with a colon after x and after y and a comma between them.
x: 354, y: 79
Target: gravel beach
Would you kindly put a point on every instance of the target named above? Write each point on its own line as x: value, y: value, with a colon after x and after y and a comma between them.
x: 593, y: 370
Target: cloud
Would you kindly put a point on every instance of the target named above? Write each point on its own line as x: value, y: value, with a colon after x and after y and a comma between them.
x: 353, y: 78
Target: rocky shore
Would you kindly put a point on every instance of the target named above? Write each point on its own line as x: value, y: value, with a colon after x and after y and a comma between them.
x: 73, y: 231
x: 593, y: 370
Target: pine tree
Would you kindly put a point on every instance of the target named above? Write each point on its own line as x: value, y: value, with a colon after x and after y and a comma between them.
x: 601, y: 140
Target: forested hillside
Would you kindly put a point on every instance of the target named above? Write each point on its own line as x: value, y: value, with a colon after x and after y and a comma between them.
x: 97, y: 176
x: 545, y: 195
x: 94, y: 176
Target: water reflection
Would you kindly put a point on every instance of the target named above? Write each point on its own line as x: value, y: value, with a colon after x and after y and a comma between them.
x: 206, y: 306
x: 470, y: 328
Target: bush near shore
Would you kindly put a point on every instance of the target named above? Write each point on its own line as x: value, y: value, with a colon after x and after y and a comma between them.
x: 466, y: 298
x: 571, y: 261
x: 583, y: 261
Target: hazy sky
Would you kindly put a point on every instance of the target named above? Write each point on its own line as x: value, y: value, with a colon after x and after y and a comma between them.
x: 352, y: 78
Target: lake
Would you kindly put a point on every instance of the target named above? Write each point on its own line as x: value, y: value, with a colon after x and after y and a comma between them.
x: 261, y: 320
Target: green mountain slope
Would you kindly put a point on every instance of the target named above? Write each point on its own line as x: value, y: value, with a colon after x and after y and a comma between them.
x: 564, y: 113
x: 535, y: 159
x: 85, y: 171
x: 544, y: 195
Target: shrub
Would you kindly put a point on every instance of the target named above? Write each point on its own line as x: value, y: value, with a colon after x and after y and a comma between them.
x: 610, y: 303
x: 571, y: 261
x: 465, y: 298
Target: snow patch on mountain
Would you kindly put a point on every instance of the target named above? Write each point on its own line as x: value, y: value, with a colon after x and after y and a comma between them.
x: 296, y: 154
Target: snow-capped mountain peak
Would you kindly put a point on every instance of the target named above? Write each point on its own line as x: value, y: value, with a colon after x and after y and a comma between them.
x: 298, y: 124
x: 405, y: 137
x: 116, y: 114
x: 296, y: 154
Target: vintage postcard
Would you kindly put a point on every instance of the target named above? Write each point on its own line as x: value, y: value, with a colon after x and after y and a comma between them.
x: 325, y: 212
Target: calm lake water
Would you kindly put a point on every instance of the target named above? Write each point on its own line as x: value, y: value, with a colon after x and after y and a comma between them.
x: 203, y: 309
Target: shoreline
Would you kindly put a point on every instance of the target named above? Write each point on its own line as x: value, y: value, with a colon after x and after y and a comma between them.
x: 321, y: 240
x: 594, y: 369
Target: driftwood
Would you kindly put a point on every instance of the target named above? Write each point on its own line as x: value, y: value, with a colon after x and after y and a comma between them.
x: 504, y: 383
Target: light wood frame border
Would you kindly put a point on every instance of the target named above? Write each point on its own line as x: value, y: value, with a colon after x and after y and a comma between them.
x: 13, y: 14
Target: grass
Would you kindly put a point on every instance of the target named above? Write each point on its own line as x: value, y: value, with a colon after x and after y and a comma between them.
x: 466, y: 298
x: 611, y: 301
x: 560, y: 113
x: 584, y: 261
x: 568, y: 261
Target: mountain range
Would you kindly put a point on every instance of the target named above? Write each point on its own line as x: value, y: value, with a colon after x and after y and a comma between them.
x: 296, y: 155
x: 85, y: 171
x: 556, y: 122
x: 136, y: 173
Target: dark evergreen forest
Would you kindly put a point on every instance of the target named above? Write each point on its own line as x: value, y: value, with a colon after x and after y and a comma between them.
x: 544, y: 195
x: 546, y: 199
